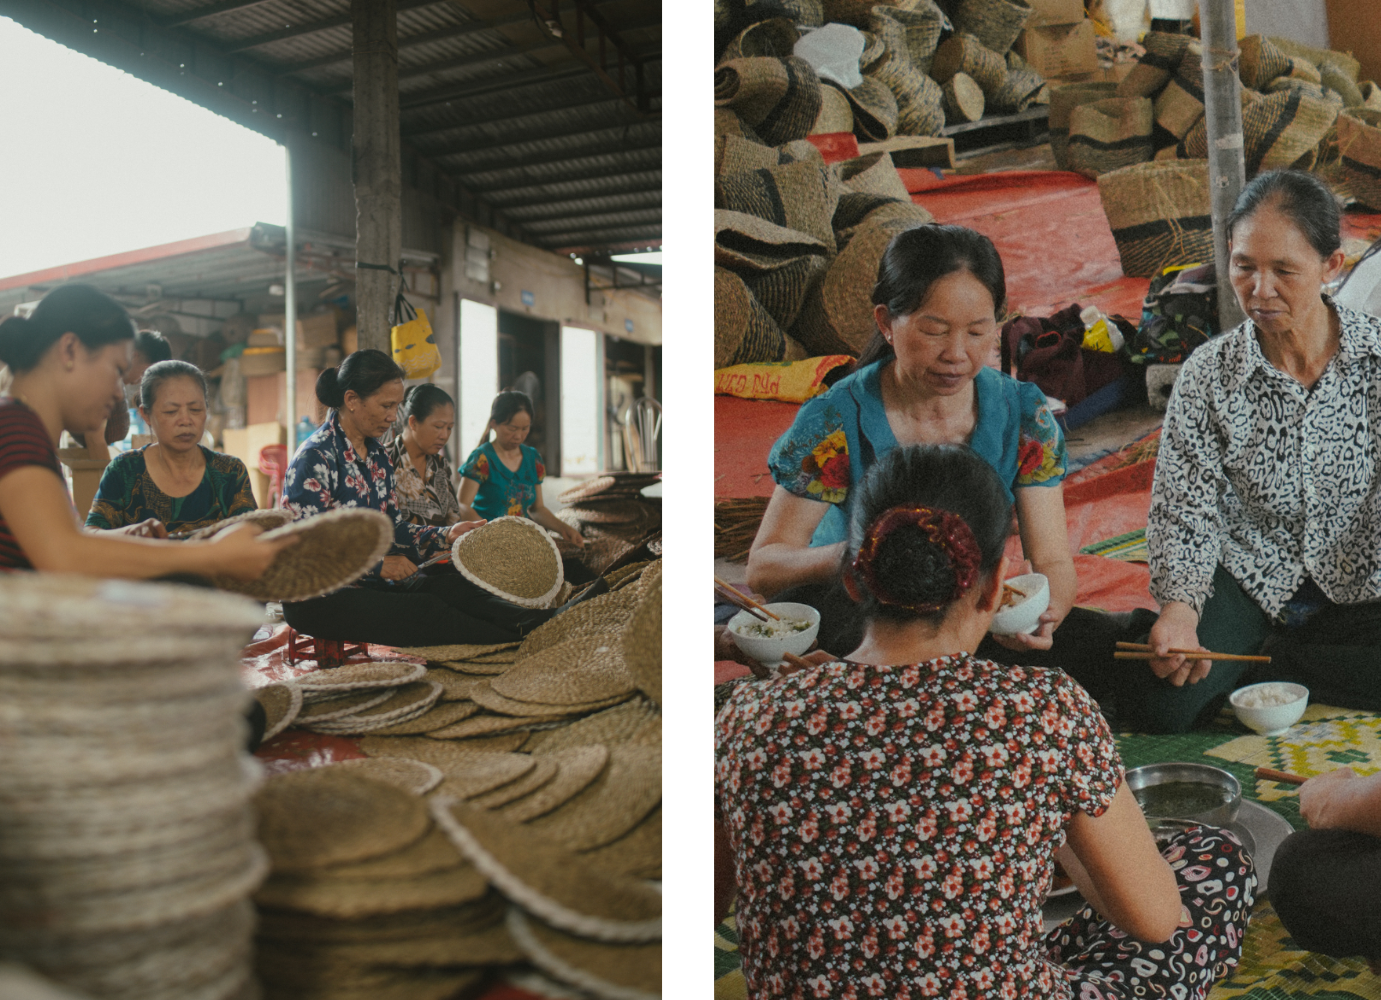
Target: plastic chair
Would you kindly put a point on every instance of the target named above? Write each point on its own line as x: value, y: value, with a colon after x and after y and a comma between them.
x: 273, y: 462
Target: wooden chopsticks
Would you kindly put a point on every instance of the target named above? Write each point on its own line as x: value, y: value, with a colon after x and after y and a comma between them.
x: 1284, y: 777
x: 746, y: 603
x: 1143, y: 651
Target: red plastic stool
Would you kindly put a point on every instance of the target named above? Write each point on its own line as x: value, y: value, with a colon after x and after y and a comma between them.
x: 273, y: 462
x: 326, y: 652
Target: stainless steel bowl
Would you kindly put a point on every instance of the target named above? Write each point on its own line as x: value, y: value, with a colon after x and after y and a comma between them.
x: 1211, y: 778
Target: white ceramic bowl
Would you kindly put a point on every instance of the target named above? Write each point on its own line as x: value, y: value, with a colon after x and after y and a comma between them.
x: 769, y: 652
x: 1273, y: 720
x: 1024, y: 618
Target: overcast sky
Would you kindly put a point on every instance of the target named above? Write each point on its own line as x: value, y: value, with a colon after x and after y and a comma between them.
x: 97, y: 162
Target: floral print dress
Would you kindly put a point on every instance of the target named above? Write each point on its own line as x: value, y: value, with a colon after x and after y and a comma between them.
x: 504, y: 492
x: 327, y: 473
x: 837, y: 436
x: 894, y: 830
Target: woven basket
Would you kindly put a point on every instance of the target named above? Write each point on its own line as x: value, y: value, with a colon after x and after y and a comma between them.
x: 773, y: 38
x: 1164, y: 52
x: 642, y: 643
x: 1063, y: 101
x: 1359, y: 149
x: 924, y: 24
x: 964, y: 100
x: 995, y: 23
x: 1371, y: 95
x: 872, y: 174
x: 333, y: 550
x: 1298, y: 50
x: 1181, y: 104
x: 733, y: 154
x: 874, y: 110
x: 1336, y: 80
x: 836, y: 114
x: 1285, y: 130
x: 744, y: 331
x: 265, y: 520
x: 1021, y: 89
x: 1160, y: 214
x: 798, y: 196
x: 920, y: 103
x: 1303, y: 69
x: 512, y: 558
x: 1261, y: 61
x: 1111, y: 134
x: 966, y: 54
x: 777, y: 98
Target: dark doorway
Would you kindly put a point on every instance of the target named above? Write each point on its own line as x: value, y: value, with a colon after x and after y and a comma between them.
x: 530, y: 359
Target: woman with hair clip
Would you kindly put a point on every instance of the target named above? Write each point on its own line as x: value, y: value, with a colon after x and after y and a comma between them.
x: 68, y: 360
x: 889, y: 821
x: 421, y: 470
x: 924, y: 379
x: 504, y: 477
x: 343, y: 465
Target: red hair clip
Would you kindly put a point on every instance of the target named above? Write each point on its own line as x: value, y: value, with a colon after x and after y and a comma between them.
x: 945, y: 529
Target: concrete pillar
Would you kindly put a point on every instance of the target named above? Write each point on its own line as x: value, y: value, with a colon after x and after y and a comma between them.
x: 376, y: 167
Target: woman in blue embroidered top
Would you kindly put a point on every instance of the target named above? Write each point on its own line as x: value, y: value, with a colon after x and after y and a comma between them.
x: 343, y: 465
x: 504, y: 477
x: 923, y: 380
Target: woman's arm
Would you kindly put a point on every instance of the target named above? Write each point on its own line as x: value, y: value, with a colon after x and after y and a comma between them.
x: 1116, y: 866
x: 1045, y: 542
x: 466, y: 497
x: 1341, y: 800
x: 781, y: 555
x: 543, y: 516
x: 38, y: 512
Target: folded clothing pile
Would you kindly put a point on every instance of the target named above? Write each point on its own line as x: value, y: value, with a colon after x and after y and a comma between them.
x: 127, y: 852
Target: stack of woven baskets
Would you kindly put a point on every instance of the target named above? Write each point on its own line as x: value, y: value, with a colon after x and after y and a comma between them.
x: 541, y: 767
x: 127, y: 851
x: 796, y: 238
x: 614, y: 517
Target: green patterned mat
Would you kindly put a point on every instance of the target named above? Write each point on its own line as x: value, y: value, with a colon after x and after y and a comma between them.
x: 1130, y: 547
x: 1272, y: 967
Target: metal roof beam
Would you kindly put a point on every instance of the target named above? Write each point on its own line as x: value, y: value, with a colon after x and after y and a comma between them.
x: 568, y: 200
x: 507, y: 116
x: 563, y: 157
x: 602, y: 176
x: 631, y: 232
x: 340, y: 20
x: 188, y: 16
x: 460, y: 62
x: 421, y: 38
x: 549, y: 13
x: 473, y: 88
x: 534, y: 220
x: 532, y: 135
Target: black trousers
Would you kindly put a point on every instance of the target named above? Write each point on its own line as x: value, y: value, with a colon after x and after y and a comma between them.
x: 1326, y: 888
x: 427, y: 610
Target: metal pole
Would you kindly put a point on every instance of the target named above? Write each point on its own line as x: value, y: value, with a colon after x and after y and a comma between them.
x: 290, y: 311
x: 1227, y: 170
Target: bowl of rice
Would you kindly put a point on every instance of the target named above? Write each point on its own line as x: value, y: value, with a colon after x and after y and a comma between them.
x: 769, y: 641
x: 1270, y: 708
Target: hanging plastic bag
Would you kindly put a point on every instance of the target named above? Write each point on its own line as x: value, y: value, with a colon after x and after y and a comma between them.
x: 414, y: 344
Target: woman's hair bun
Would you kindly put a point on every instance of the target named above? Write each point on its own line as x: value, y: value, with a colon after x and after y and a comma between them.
x: 14, y: 337
x: 328, y: 389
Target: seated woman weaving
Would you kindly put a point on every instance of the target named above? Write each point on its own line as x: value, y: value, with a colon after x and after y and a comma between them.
x: 343, y: 465
x: 889, y: 821
x: 421, y: 470
x: 175, y: 484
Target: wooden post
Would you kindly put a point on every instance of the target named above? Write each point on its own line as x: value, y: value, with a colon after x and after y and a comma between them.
x: 376, y: 166
x: 1227, y: 170
x: 290, y: 310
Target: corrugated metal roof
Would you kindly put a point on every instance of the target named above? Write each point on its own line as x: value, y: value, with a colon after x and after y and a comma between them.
x: 496, y: 101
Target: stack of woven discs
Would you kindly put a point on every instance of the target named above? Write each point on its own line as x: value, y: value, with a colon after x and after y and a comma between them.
x: 365, y: 698
x: 126, y: 852
x: 614, y: 516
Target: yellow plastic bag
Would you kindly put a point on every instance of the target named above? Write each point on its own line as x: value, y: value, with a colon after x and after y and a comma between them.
x: 414, y: 344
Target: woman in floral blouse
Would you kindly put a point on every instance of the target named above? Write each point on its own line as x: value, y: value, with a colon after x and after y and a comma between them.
x: 421, y: 470
x: 343, y: 465
x: 1264, y: 523
x: 889, y: 822
x: 924, y: 380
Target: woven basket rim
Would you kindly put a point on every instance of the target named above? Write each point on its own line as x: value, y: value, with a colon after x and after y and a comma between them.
x: 526, y: 602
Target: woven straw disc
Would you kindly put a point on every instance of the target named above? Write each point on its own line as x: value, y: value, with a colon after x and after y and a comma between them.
x: 589, y: 488
x: 642, y: 643
x: 476, y: 773
x: 454, y: 686
x: 513, y: 558
x: 605, y: 614
x: 611, y: 971
x: 490, y: 699
x: 625, y: 575
x: 487, y: 725
x: 402, y: 984
x: 347, y: 898
x: 343, y: 703
x: 575, y: 769
x: 450, y: 920
x: 265, y: 520
x: 406, y: 702
x: 476, y: 668
x: 536, y: 779
x: 439, y: 716
x: 333, y: 550
x: 601, y: 511
x: 637, y: 853
x: 351, y: 676
x: 575, y: 672
x: 440, y: 752
x: 281, y: 703
x: 443, y: 654
x: 413, y: 776
x: 365, y: 818
x: 433, y: 853
x: 487, y: 946
x: 613, y: 804
x: 548, y: 880
x: 611, y: 727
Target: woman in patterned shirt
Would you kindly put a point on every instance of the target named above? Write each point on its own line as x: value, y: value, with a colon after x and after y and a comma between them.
x: 890, y: 821
x: 421, y: 470
x: 1264, y: 525
x: 924, y: 379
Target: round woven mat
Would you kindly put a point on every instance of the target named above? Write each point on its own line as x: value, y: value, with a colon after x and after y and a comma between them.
x: 403, y: 703
x: 613, y: 511
x: 265, y: 520
x: 454, y: 686
x: 351, y: 676
x: 575, y: 769
x: 625, y: 575
x: 333, y: 550
x: 309, y: 929
x: 607, y: 971
x: 606, y: 614
x: 589, y: 488
x: 471, y: 773
x: 513, y: 558
x: 611, y: 727
x: 490, y: 945
x: 548, y: 880
x: 637, y: 853
x: 536, y: 711
x: 544, y: 771
x: 439, y: 716
x: 402, y: 984
x: 442, y: 753
x: 443, y: 654
x: 350, y: 898
x: 579, y: 671
x: 479, y: 668
x: 487, y: 725
x: 413, y: 776
x: 433, y: 853
x: 281, y: 703
x: 342, y: 703
x: 613, y: 804
x: 642, y: 642
x: 366, y: 819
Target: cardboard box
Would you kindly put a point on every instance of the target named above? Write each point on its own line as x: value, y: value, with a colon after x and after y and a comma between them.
x: 245, y: 443
x: 913, y: 150
x: 1059, y: 51
x: 264, y: 395
x: 313, y: 330
x: 1047, y: 12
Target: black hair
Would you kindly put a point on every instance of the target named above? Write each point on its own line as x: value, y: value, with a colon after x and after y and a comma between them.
x: 88, y: 312
x: 507, y: 404
x: 1307, y: 201
x: 161, y: 371
x: 908, y: 565
x: 421, y: 400
x: 916, y: 259
x: 364, y: 373
x: 151, y: 344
